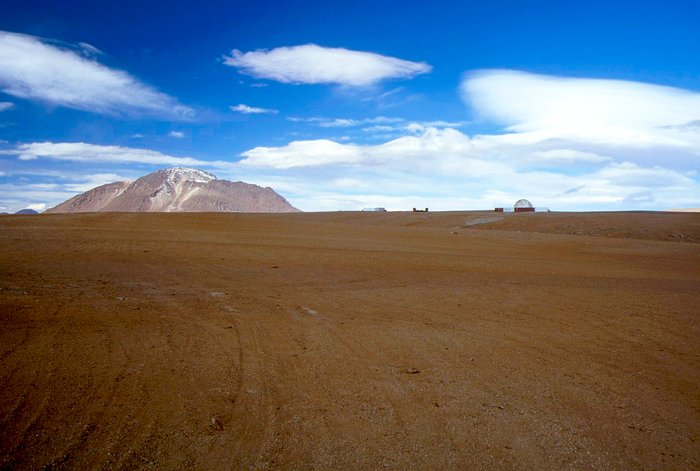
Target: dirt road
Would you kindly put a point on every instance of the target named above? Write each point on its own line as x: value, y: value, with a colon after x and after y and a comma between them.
x: 350, y: 341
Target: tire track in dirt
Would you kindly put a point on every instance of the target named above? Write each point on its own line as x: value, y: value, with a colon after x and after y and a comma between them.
x: 210, y: 389
x: 318, y: 336
x: 222, y: 399
x: 24, y: 420
x: 308, y: 372
x: 396, y: 384
x: 249, y: 421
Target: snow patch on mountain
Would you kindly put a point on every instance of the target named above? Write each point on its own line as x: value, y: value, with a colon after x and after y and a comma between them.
x: 175, y: 175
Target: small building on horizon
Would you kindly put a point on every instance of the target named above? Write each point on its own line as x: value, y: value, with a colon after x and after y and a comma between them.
x: 522, y: 206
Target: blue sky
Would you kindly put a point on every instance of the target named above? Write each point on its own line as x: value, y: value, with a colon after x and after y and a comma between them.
x: 341, y: 105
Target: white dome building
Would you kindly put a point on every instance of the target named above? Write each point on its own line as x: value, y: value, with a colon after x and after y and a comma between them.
x: 522, y: 204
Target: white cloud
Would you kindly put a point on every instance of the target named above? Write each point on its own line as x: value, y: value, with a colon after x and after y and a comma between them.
x: 37, y: 206
x: 245, y: 109
x: 89, y: 49
x: 691, y: 126
x: 19, y: 195
x: 176, y: 134
x: 564, y: 156
x: 302, y: 154
x: 379, y: 126
x: 338, y: 123
x: 37, y: 70
x: 437, y: 145
x: 88, y: 182
x: 312, y: 64
x: 434, y: 148
x: 608, y: 112
x: 41, y: 189
x: 443, y: 124
x: 98, y: 154
x: 345, y: 122
x: 446, y: 169
x: 6, y: 105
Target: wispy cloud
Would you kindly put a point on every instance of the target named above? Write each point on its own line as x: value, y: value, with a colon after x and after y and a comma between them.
x: 312, y: 64
x: 41, y: 189
x: 564, y: 156
x: 690, y: 126
x: 89, y: 49
x: 378, y: 124
x: 345, y: 122
x: 49, y: 72
x: 245, y: 109
x: 98, y: 154
x: 176, y: 134
x: 6, y: 105
x: 442, y: 124
x: 90, y: 181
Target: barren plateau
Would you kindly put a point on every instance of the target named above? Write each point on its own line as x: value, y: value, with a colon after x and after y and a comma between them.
x: 350, y: 341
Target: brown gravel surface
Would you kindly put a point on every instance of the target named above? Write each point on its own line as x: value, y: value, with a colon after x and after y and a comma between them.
x: 350, y: 341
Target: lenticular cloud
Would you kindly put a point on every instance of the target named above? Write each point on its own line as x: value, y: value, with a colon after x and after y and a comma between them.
x: 312, y: 64
x: 529, y: 102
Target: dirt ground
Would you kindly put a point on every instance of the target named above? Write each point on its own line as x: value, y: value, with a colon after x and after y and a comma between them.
x: 350, y: 341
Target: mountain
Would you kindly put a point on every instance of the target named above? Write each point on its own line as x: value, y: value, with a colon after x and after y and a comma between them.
x: 27, y: 211
x: 91, y: 201
x: 177, y: 189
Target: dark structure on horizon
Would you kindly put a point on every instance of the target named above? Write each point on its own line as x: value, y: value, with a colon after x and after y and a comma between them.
x: 522, y: 206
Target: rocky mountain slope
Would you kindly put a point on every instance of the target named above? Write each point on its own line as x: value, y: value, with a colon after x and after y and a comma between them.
x: 177, y: 189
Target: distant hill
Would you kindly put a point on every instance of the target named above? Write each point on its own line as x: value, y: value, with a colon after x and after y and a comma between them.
x: 177, y: 189
x: 27, y: 211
